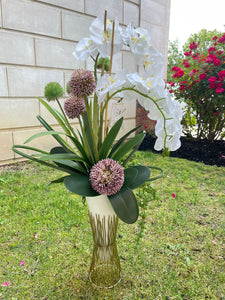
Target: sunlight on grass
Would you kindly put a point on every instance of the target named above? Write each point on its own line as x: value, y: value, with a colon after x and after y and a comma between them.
x: 47, y: 227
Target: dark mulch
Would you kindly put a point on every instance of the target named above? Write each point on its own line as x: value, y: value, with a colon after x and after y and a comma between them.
x: 210, y: 153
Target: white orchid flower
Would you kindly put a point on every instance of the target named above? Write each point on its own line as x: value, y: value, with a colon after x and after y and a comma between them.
x: 84, y: 49
x: 142, y: 84
x: 138, y: 40
x: 172, y: 142
x: 153, y: 62
x: 103, y: 39
x: 131, y: 37
x: 111, y: 84
x: 146, y: 84
x: 173, y: 131
x: 172, y: 111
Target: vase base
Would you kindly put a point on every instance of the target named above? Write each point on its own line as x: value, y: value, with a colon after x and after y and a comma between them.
x: 110, y: 280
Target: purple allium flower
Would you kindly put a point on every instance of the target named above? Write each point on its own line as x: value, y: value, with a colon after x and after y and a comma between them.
x: 82, y: 83
x: 107, y: 177
x: 74, y: 107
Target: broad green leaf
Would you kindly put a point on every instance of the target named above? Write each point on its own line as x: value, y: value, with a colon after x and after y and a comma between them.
x: 128, y: 146
x: 79, y: 185
x: 109, y: 140
x: 56, y: 150
x: 59, y: 180
x: 142, y: 176
x: 122, y: 140
x: 125, y: 205
x: 130, y: 175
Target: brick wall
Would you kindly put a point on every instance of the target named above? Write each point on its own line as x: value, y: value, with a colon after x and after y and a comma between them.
x: 37, y: 38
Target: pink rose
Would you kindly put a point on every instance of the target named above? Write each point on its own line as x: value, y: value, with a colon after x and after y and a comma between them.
x: 193, y: 45
x: 202, y: 76
x: 219, y: 90
x: 178, y: 74
x: 188, y: 53
x: 216, y: 62
x: 212, y: 86
x: 212, y: 79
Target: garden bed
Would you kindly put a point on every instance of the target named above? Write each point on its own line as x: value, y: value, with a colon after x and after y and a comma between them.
x: 210, y: 153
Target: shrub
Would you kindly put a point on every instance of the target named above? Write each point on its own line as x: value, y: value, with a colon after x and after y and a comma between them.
x: 200, y: 83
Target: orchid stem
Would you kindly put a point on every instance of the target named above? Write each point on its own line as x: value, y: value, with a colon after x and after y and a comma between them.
x: 103, y: 59
x: 110, y: 72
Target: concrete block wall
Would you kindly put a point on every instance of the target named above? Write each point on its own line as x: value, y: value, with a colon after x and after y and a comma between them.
x: 37, y: 38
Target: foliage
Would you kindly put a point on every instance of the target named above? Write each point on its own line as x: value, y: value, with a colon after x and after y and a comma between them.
x: 204, y: 40
x: 175, y: 57
x: 181, y: 257
x: 200, y: 82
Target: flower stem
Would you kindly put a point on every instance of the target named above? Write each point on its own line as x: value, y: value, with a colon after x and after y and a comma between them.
x: 110, y: 72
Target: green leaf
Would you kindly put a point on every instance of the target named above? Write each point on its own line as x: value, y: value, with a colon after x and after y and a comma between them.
x: 15, y: 149
x: 59, y: 180
x: 58, y: 138
x: 121, y: 140
x: 88, y: 138
x: 142, y: 176
x: 59, y: 156
x: 128, y: 146
x: 79, y: 185
x: 131, y: 154
x: 156, y: 177
x: 55, y: 115
x: 73, y: 165
x: 81, y: 149
x: 130, y: 175
x: 110, y: 138
x: 40, y: 134
x: 125, y: 205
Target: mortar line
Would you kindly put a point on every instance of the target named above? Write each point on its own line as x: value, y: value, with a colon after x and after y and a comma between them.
x: 1, y: 13
x: 61, y: 25
x: 7, y: 80
x: 35, y: 58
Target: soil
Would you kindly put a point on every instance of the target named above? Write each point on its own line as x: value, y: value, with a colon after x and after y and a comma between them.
x: 209, y: 153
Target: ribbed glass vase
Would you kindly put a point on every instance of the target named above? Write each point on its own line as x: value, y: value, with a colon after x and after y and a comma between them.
x: 105, y: 268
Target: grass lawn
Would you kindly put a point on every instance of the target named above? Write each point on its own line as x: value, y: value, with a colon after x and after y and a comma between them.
x: 47, y: 229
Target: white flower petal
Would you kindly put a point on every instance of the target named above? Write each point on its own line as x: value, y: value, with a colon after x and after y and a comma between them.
x: 84, y: 49
x: 103, y: 39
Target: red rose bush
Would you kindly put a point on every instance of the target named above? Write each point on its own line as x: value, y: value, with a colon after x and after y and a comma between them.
x: 200, y: 83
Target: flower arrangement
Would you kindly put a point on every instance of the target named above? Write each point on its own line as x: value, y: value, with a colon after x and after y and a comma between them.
x: 95, y: 160
x: 201, y: 85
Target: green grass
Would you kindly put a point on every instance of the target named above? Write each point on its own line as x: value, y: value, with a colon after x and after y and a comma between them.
x: 177, y: 259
